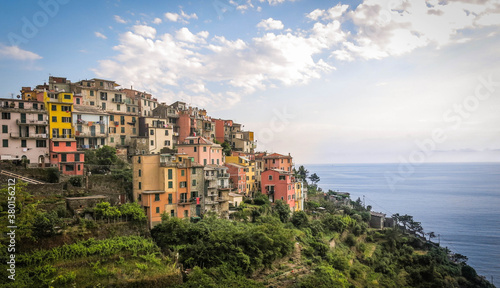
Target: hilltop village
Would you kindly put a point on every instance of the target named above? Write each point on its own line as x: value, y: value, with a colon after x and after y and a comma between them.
x: 103, y: 186
x: 185, y: 163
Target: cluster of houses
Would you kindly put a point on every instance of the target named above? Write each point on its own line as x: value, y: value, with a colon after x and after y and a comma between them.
x: 179, y: 165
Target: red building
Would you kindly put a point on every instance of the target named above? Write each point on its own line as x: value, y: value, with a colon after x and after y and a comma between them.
x: 278, y: 161
x: 238, y: 177
x: 279, y: 185
x: 65, y: 155
x: 222, y: 129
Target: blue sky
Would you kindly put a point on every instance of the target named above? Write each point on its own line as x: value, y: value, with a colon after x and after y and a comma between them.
x: 328, y: 81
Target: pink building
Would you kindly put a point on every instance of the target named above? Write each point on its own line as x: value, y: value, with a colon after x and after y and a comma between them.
x: 237, y: 175
x: 202, y: 150
x: 65, y: 155
x: 279, y: 185
x: 186, y: 126
x: 278, y: 161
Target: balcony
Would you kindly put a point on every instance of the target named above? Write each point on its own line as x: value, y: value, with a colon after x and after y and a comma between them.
x: 210, y: 177
x: 31, y: 122
x: 28, y: 136
x: 118, y: 100
x: 224, y: 175
x: 62, y: 137
x: 176, y: 134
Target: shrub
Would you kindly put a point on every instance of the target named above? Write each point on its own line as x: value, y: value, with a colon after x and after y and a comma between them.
x: 76, y: 181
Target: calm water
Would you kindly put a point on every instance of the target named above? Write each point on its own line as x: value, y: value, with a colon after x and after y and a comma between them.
x: 459, y: 201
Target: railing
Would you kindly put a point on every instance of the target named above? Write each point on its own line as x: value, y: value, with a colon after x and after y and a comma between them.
x: 210, y: 177
x: 67, y: 136
x: 31, y: 122
x: 34, y: 136
x: 224, y: 175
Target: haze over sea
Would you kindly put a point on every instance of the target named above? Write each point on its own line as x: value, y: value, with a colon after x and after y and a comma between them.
x: 458, y: 201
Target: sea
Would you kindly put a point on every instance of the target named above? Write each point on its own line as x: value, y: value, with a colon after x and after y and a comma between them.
x: 459, y: 202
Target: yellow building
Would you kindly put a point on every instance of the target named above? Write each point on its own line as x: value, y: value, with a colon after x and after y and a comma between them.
x: 60, y: 107
x: 250, y: 171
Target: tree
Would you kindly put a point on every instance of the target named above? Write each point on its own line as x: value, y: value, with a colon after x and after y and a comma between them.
x: 314, y: 178
x: 431, y: 235
x: 299, y: 219
x: 134, y: 211
x: 302, y: 173
x: 104, y: 209
x: 283, y: 210
x: 226, y: 148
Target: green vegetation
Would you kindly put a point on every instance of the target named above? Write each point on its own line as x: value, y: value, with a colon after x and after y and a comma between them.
x: 119, y: 261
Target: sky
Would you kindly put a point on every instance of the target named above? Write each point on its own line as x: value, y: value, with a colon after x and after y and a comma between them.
x: 368, y: 81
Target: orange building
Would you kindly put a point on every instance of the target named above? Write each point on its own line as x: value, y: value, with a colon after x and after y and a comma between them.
x: 278, y: 161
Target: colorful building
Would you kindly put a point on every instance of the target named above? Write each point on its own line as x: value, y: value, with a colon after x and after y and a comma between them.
x: 24, y: 131
x: 158, y: 131
x: 202, y: 150
x: 217, y: 189
x: 278, y: 161
x: 91, y: 125
x: 62, y: 148
x: 122, y: 127
x: 238, y: 177
x: 279, y: 185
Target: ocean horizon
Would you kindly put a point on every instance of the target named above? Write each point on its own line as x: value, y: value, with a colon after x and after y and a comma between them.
x: 459, y: 202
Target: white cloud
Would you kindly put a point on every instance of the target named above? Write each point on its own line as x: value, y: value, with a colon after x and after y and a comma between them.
x: 185, y: 35
x: 100, y: 35
x: 144, y: 30
x: 157, y: 21
x: 182, y: 17
x: 332, y: 13
x: 119, y: 19
x: 270, y: 24
x: 16, y: 53
x: 275, y: 2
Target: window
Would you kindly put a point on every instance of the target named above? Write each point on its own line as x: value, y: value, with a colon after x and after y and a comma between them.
x: 204, y: 149
x: 166, y: 132
x: 35, y: 106
x: 140, y: 185
x: 205, y: 162
x: 63, y: 157
x: 152, y: 142
x: 103, y: 105
x: 186, y: 213
x: 194, y: 194
x: 170, y: 198
x: 111, y: 117
x: 66, y: 119
x: 23, y: 143
x: 91, y: 93
x: 172, y: 213
x: 170, y: 184
x: 103, y: 129
x: 195, y: 150
x: 134, y: 130
x: 117, y: 107
x: 78, y: 102
x: 217, y: 161
x: 122, y: 120
x: 167, y: 142
x: 92, y: 103
x: 68, y: 144
x: 70, y: 167
x: 112, y: 139
x: 282, y: 177
x: 56, y: 144
x: 79, y: 167
x: 40, y: 117
x: 54, y: 119
x: 193, y: 171
x: 128, y: 108
x: 104, y: 96
x: 183, y: 184
x: 182, y: 173
x: 5, y: 129
x: 66, y: 108
x: 169, y: 175
x: 5, y: 115
x: 139, y: 197
x: 157, y: 197
x: 21, y: 105
x: 54, y: 107
x: 122, y: 129
x: 270, y: 177
x: 140, y: 172
x: 157, y: 210
x: 67, y: 96
x: 193, y: 183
